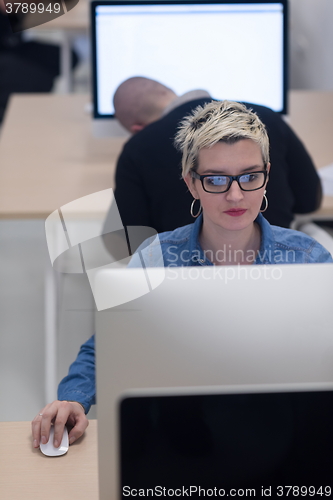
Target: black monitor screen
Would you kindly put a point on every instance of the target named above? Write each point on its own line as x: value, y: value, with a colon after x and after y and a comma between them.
x: 278, y: 445
x: 235, y: 50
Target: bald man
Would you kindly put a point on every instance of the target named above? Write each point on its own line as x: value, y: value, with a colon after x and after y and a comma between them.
x: 149, y: 189
x: 139, y: 101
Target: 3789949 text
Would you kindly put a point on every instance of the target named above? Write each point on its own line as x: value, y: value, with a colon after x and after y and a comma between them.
x: 298, y: 491
x: 32, y: 8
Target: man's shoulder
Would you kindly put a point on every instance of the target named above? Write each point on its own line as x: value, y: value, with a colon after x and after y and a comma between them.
x: 263, y: 111
x: 164, y: 129
x: 173, y: 117
x: 277, y: 128
x: 185, y: 108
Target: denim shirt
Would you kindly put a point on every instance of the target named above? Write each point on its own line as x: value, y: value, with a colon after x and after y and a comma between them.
x: 79, y: 384
x: 181, y: 247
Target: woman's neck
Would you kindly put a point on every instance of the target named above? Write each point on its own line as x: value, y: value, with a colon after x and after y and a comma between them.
x: 223, y: 247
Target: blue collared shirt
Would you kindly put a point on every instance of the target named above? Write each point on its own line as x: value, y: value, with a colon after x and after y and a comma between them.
x: 181, y: 247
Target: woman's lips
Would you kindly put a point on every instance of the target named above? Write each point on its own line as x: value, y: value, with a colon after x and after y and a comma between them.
x: 236, y: 212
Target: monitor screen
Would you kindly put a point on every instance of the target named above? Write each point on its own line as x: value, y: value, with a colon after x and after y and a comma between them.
x: 233, y: 49
x: 223, y: 445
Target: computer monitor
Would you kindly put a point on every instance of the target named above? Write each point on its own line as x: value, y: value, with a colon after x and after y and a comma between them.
x: 234, y: 49
x: 206, y: 329
x: 225, y: 442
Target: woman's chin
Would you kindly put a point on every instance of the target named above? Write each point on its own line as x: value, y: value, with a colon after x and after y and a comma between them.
x: 230, y: 223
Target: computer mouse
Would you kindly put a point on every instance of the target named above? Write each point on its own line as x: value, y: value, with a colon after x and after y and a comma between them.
x: 49, y: 448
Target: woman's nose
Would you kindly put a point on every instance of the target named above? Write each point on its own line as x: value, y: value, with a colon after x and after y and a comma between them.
x: 234, y: 193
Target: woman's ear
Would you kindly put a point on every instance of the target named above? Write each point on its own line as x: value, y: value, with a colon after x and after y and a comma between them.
x: 268, y: 167
x: 191, y: 185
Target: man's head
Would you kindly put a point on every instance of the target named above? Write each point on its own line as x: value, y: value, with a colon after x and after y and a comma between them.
x: 224, y: 121
x: 139, y: 101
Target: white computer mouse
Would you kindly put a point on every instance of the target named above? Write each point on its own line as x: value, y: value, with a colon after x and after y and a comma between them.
x: 49, y: 448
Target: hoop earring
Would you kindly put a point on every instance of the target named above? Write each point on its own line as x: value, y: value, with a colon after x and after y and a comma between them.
x: 191, y: 209
x: 266, y: 203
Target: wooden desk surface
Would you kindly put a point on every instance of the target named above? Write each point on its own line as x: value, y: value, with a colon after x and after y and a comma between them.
x: 27, y: 474
x: 49, y: 157
x: 311, y: 116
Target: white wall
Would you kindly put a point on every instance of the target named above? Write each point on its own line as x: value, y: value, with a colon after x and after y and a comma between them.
x: 311, y: 43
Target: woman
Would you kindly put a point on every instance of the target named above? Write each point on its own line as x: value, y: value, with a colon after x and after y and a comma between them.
x: 226, y: 168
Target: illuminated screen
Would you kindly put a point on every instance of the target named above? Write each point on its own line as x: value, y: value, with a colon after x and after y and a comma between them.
x: 233, y: 50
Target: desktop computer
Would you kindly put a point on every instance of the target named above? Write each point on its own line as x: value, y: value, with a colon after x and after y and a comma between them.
x: 234, y: 49
x: 218, y: 373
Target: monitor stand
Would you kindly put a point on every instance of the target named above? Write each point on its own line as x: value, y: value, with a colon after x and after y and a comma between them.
x: 108, y: 127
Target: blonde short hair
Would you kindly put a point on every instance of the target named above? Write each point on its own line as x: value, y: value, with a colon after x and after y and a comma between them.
x: 216, y: 121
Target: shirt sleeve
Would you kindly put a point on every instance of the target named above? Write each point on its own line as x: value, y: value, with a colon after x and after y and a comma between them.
x: 79, y: 385
x: 320, y: 255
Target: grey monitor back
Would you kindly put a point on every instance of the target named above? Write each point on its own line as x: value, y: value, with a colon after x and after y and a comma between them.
x: 210, y: 327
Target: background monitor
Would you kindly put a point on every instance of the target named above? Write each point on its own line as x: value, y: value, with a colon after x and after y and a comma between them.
x: 233, y: 49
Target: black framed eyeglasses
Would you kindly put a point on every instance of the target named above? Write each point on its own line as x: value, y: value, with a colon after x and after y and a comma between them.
x: 250, y: 181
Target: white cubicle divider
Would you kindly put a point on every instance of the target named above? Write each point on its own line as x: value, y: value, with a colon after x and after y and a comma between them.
x: 81, y: 242
x: 65, y: 229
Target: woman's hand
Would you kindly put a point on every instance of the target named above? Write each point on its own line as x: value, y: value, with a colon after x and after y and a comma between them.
x: 59, y: 413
